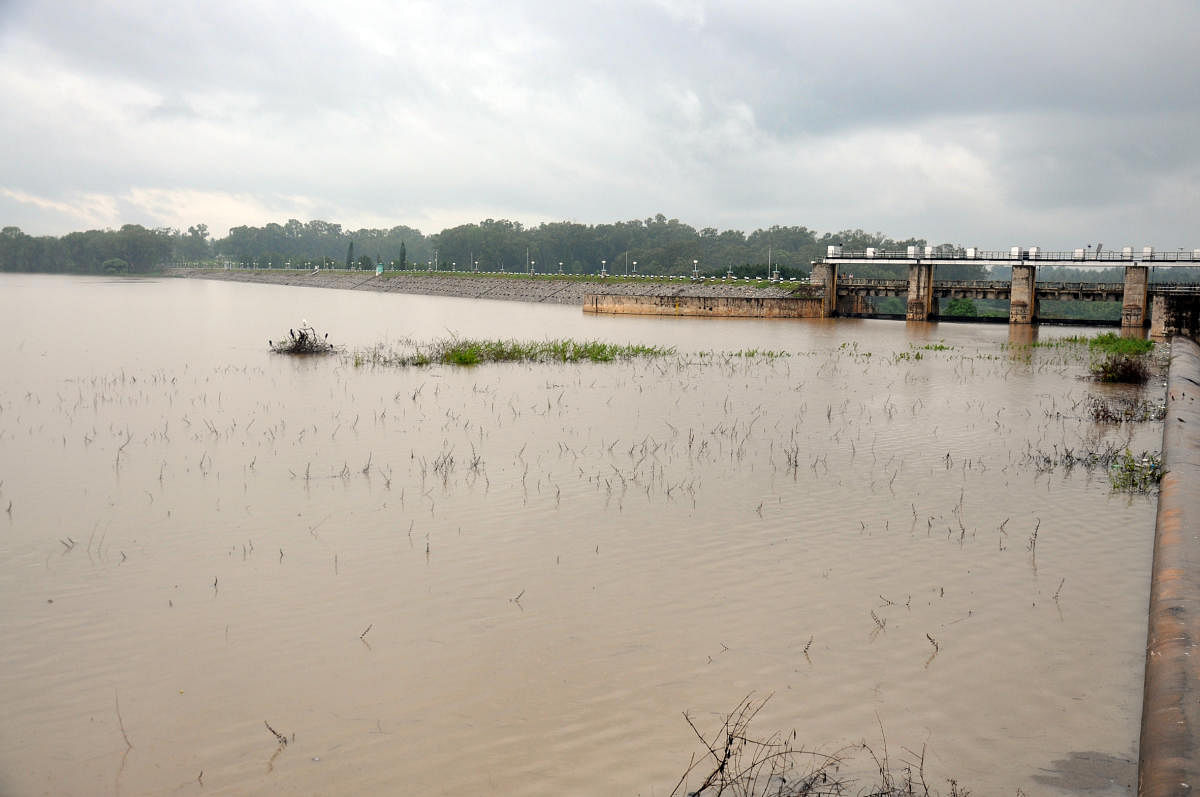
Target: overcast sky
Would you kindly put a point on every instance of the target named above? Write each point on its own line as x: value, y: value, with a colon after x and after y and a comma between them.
x: 980, y: 123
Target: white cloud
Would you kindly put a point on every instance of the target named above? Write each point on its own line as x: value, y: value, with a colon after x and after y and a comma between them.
x: 983, y: 122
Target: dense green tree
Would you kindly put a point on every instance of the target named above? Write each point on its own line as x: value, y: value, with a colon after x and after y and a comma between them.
x: 960, y: 307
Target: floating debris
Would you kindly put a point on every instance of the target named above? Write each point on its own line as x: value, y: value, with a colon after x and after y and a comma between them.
x: 303, y: 340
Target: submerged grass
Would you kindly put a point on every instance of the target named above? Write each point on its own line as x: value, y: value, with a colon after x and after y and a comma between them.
x: 469, y: 351
x: 1113, y: 357
x: 1127, y: 472
x: 1136, y: 474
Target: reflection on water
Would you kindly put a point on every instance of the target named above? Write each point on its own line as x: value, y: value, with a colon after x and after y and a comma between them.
x: 515, y: 578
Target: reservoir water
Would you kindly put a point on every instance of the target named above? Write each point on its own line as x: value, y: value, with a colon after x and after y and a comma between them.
x: 517, y: 578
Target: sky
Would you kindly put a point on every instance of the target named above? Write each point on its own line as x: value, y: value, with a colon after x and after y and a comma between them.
x: 1025, y: 122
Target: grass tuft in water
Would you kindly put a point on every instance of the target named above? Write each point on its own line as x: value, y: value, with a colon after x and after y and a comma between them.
x: 1136, y: 474
x: 468, y: 351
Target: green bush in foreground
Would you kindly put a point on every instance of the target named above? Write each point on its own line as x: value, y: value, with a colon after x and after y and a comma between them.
x: 1121, y: 368
x: 1120, y: 359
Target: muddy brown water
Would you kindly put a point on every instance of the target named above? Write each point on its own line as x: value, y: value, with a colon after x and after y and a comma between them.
x: 514, y: 579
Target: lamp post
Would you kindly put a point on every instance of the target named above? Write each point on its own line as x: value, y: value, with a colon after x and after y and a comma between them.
x: 603, y: 268
x: 695, y: 269
x: 635, y: 268
x: 532, y: 263
x: 560, y: 267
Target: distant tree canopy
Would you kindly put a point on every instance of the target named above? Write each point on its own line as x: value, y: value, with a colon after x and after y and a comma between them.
x: 655, y: 245
x: 95, y: 251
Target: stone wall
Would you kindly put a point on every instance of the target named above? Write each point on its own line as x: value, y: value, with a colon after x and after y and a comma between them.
x: 711, y: 306
x: 515, y: 288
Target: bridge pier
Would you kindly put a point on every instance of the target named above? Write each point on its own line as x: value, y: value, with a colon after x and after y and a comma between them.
x: 825, y: 274
x: 1134, y: 301
x: 921, y: 302
x: 1022, y: 299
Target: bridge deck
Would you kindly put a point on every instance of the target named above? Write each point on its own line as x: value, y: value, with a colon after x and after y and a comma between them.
x: 1077, y: 258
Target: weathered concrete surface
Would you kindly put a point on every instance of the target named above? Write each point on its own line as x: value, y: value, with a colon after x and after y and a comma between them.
x: 711, y: 306
x: 1175, y: 313
x: 1022, y: 299
x: 517, y: 289
x: 921, y: 304
x: 825, y: 275
x: 1134, y: 302
x: 1169, y: 758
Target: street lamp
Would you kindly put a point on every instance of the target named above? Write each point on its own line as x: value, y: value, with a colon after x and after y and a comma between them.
x: 560, y: 267
x: 532, y: 263
x: 695, y: 269
x: 635, y: 268
x: 603, y: 268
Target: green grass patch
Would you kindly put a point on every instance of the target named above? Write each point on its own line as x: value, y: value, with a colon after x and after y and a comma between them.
x: 1120, y: 359
x: 468, y: 351
x: 1112, y: 343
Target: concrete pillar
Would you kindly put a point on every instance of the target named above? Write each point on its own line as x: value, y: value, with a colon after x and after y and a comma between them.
x: 1022, y: 296
x: 1134, y: 301
x: 825, y: 274
x: 1158, y: 317
x: 921, y: 304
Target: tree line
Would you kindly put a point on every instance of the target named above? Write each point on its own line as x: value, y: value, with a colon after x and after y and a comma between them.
x: 656, y: 245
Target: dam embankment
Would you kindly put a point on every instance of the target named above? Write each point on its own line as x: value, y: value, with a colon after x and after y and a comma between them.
x: 1169, y: 757
x: 518, y: 288
x: 706, y: 306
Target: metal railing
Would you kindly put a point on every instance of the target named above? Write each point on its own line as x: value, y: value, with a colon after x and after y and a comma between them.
x: 1124, y: 255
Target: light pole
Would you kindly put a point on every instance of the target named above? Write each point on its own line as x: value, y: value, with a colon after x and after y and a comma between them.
x: 635, y: 268
x: 532, y: 263
x: 695, y: 269
x: 603, y: 268
x: 560, y: 267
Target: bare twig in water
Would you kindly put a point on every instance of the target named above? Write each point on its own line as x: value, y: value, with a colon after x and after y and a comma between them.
x: 744, y: 764
x: 279, y: 737
x: 121, y: 721
x: 365, y: 630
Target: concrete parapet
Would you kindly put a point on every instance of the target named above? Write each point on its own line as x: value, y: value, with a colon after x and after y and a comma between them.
x: 711, y: 306
x: 1169, y: 756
